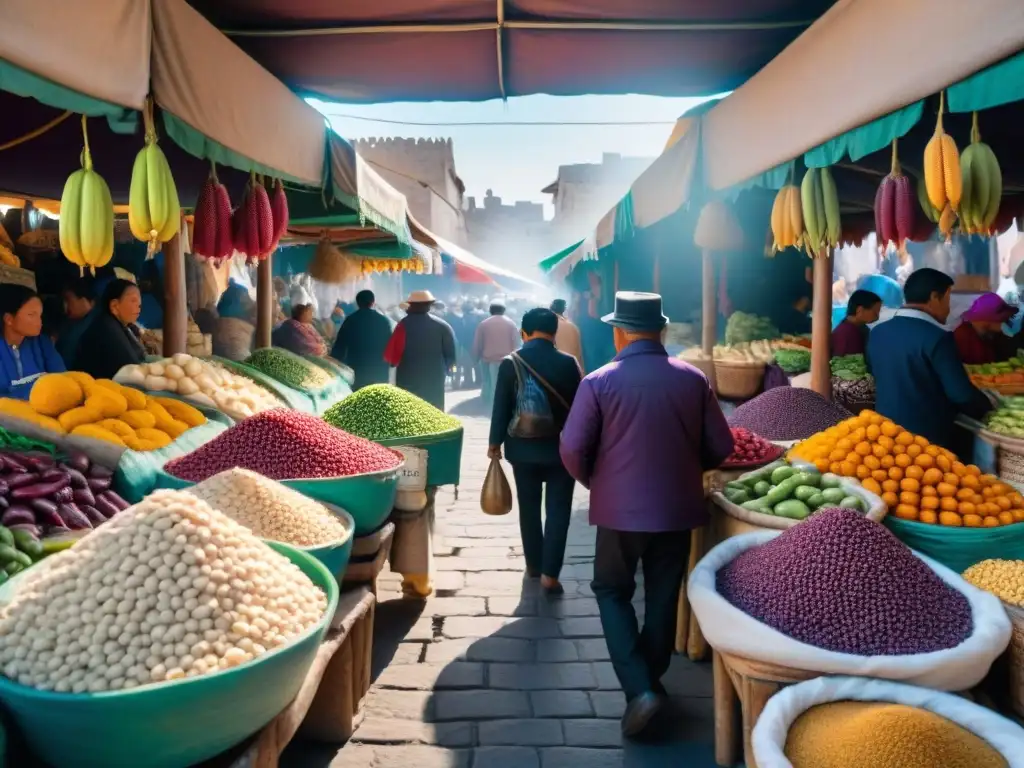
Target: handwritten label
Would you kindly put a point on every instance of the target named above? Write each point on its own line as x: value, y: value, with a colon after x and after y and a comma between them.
x: 413, y: 475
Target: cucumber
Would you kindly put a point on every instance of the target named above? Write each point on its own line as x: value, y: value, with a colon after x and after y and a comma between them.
x: 6, y: 536
x: 794, y: 509
x: 828, y: 480
x: 809, y: 478
x: 783, y: 490
x: 736, y: 495
x: 833, y: 496
x: 762, y: 487
x: 736, y: 485
x: 765, y: 472
x: 816, y: 500
x: 13, y: 567
x: 853, y: 502
x: 758, y: 505
x: 7, y: 553
x: 805, y: 492
x: 782, y: 473
x: 32, y: 548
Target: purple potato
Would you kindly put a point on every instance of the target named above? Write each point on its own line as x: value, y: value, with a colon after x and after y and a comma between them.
x: 78, y: 460
x: 98, y: 484
x: 94, y: 515
x: 84, y: 496
x: 18, y: 515
x: 73, y: 517
x: 96, y: 470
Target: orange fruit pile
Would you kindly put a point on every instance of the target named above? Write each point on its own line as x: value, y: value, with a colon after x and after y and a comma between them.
x: 917, y: 480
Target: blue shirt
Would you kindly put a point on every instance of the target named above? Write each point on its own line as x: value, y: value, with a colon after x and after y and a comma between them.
x: 920, y: 382
x: 21, y: 366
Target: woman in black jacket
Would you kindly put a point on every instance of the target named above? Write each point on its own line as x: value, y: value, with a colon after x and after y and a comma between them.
x: 112, y: 340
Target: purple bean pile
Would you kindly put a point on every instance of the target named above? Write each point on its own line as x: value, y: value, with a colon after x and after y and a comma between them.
x: 841, y: 582
x: 788, y: 413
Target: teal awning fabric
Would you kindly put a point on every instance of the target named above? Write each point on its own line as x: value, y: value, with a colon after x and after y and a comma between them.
x: 21, y: 82
x: 774, y: 178
x: 552, y: 261
x: 625, y: 224
x: 1002, y: 83
x: 205, y: 148
x: 865, y: 139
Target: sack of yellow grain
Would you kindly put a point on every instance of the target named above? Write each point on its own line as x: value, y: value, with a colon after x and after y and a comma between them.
x: 330, y: 265
x: 852, y: 722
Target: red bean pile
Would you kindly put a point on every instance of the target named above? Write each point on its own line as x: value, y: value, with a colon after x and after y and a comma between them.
x: 285, y: 445
x: 844, y: 583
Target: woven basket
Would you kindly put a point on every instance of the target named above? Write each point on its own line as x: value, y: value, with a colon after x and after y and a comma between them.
x: 1011, y: 460
x: 738, y: 381
x: 1015, y: 653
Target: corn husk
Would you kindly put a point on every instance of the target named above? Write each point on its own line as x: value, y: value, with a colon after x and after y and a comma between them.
x: 330, y: 265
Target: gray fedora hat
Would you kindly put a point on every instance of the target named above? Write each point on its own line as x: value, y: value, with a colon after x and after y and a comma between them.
x: 635, y: 311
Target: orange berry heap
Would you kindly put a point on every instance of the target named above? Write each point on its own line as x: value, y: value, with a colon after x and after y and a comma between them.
x: 917, y: 480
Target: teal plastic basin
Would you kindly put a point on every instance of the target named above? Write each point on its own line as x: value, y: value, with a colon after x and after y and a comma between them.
x: 335, y: 555
x: 444, y: 454
x: 367, y: 498
x: 175, y: 724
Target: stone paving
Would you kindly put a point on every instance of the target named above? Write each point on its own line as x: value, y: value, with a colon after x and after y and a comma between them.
x: 489, y: 673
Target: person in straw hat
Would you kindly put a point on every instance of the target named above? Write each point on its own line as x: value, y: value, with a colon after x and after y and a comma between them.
x: 422, y: 349
x: 640, y: 434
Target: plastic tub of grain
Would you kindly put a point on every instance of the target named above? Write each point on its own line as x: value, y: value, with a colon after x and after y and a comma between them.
x: 393, y: 417
x: 306, y: 454
x: 172, y: 722
x: 848, y: 722
x: 275, y: 512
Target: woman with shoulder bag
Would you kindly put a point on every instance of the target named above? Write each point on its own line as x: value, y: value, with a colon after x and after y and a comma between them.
x: 534, y: 392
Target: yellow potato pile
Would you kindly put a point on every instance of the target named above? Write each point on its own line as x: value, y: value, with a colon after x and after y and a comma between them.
x: 858, y: 734
x: 917, y: 480
x: 1003, y: 578
x: 74, y: 403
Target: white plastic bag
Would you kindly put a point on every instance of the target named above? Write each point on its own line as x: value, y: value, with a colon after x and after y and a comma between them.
x: 782, y: 710
x: 729, y: 629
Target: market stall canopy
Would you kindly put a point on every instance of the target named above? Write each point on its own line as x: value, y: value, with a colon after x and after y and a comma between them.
x: 473, y: 50
x: 853, y: 65
x: 215, y: 104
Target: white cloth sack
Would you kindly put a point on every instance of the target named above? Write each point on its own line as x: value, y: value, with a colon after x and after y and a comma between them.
x: 769, y: 737
x: 729, y: 629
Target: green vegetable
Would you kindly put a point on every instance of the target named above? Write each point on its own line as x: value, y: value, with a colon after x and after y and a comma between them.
x: 853, y: 502
x: 384, y: 412
x: 828, y: 480
x: 833, y: 495
x: 794, y: 509
x: 783, y: 490
x: 809, y: 478
x: 742, y: 327
x: 805, y: 493
x: 13, y: 567
x: 793, y: 361
x: 736, y: 495
x: 782, y: 473
x: 816, y: 500
x: 762, y: 487
x: 764, y: 473
x: 758, y: 505
x: 7, y: 553
x: 6, y: 536
x: 849, y: 367
x: 289, y: 369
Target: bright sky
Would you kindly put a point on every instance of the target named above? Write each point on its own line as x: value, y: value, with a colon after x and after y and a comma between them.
x: 517, y: 161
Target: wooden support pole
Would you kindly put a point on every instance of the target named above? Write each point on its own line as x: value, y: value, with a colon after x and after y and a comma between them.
x: 709, y: 312
x: 821, y: 324
x: 175, y: 300
x: 264, y: 302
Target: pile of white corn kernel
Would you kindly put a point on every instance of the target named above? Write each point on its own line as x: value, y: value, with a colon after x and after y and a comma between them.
x: 169, y: 589
x: 269, y: 509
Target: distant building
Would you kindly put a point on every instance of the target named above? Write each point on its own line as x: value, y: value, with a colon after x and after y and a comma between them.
x: 585, y: 192
x: 515, y: 236
x: 424, y: 171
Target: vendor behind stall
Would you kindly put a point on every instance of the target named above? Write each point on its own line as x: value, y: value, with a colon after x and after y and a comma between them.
x: 25, y: 354
x: 297, y: 334
x: 920, y: 380
x: 977, y: 336
x: 850, y: 337
x: 112, y: 340
x: 80, y: 308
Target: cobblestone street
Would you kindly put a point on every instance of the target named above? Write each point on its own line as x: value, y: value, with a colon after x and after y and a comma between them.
x: 488, y: 673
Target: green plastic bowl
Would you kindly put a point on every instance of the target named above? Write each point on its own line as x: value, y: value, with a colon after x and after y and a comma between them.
x: 335, y: 554
x: 368, y: 498
x: 173, y: 724
x: 444, y: 454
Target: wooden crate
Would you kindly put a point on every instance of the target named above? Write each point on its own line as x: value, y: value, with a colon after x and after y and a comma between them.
x: 328, y: 707
x: 363, y: 569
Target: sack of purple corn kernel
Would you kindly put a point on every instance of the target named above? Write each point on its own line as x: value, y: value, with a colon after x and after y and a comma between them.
x: 840, y: 595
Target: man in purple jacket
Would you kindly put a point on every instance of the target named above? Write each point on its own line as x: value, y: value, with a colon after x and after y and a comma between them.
x: 641, y: 433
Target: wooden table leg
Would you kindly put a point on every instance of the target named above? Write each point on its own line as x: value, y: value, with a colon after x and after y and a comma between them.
x: 727, y: 737
x: 755, y: 695
x: 696, y: 646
